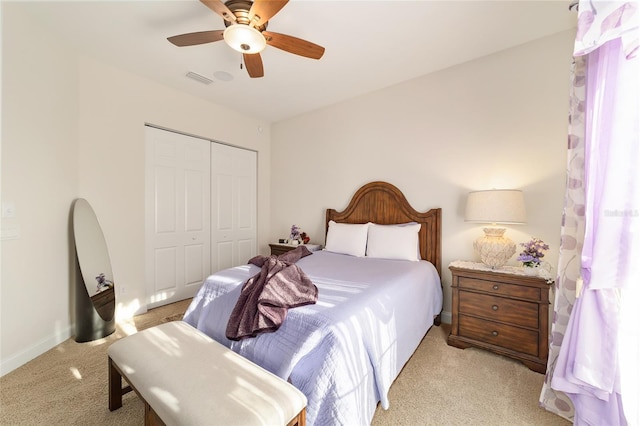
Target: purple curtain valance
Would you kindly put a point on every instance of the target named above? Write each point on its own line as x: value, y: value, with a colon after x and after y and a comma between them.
x: 602, y: 21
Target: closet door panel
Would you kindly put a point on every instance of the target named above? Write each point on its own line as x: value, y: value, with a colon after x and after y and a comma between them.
x: 233, y: 201
x: 178, y: 219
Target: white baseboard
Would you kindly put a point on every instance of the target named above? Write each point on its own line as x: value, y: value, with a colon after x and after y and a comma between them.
x: 445, y: 317
x: 24, y: 356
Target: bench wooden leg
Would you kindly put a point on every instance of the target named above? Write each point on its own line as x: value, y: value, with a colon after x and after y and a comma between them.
x: 300, y: 419
x: 115, y: 386
x: 151, y: 418
x: 116, y: 391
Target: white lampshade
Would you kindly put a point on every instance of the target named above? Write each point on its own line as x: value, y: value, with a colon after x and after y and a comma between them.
x: 495, y: 206
x: 244, y: 39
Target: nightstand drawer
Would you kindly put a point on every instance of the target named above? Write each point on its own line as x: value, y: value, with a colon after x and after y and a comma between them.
x: 278, y: 249
x: 496, y: 308
x: 514, y: 338
x: 494, y: 287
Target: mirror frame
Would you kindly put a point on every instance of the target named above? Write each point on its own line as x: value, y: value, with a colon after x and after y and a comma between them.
x: 95, y: 291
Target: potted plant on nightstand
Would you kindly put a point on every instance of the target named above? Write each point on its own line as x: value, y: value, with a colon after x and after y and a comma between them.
x: 532, y: 255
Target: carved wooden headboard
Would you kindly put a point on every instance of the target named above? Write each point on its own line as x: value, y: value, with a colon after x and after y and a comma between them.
x: 384, y: 204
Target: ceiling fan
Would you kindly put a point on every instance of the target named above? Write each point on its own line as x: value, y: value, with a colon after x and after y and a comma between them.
x: 246, y: 23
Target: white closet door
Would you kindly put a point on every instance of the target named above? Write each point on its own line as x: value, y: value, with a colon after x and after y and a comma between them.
x: 177, y: 215
x: 233, y: 206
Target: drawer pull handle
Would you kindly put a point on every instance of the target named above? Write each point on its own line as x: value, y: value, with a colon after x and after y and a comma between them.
x: 496, y: 286
x: 494, y: 333
x: 494, y: 307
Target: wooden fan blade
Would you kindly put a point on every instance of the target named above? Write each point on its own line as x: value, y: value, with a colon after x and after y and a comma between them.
x: 263, y: 10
x: 221, y: 9
x: 253, y: 62
x: 191, y: 39
x: 294, y: 45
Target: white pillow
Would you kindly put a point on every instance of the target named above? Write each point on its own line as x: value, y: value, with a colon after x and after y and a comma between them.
x: 347, y: 238
x: 393, y: 241
x: 417, y: 242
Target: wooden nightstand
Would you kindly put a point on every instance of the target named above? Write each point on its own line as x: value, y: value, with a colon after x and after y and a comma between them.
x: 502, y: 312
x: 278, y: 249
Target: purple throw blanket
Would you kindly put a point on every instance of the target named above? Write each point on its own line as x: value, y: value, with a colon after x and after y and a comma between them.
x: 267, y: 296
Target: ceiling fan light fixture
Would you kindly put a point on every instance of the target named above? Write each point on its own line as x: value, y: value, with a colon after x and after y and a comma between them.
x: 244, y: 39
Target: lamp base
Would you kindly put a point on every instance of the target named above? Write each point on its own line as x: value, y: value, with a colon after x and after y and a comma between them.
x: 494, y: 249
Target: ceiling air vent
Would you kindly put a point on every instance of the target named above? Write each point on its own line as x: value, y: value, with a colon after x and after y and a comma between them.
x: 197, y: 77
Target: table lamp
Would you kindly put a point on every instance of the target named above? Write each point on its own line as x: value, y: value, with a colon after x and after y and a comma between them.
x: 495, y: 206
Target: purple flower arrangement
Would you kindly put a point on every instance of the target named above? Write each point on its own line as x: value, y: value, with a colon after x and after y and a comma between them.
x: 295, y: 233
x: 533, y: 252
x: 103, y: 282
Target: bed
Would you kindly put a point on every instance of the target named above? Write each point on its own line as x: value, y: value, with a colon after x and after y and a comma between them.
x: 344, y: 351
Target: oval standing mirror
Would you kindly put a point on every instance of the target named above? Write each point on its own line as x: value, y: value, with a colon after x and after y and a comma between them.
x: 95, y: 307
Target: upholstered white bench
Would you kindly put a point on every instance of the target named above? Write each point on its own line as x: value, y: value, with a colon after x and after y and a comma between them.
x: 186, y: 378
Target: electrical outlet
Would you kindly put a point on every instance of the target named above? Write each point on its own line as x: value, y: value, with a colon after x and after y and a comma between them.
x: 123, y: 290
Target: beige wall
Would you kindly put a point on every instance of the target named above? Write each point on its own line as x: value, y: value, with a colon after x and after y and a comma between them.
x: 40, y: 177
x: 74, y: 127
x: 496, y: 122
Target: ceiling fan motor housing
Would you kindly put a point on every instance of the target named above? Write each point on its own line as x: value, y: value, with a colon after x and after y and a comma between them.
x: 240, y: 9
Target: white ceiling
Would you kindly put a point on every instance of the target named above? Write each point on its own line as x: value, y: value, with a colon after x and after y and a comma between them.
x: 369, y: 44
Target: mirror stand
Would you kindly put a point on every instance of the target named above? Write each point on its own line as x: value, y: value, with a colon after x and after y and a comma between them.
x: 94, y: 289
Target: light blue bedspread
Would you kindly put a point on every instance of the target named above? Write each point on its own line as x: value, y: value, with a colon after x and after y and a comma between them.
x: 345, y: 351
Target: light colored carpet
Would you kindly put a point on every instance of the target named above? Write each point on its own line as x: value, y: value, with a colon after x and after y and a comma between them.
x: 443, y: 385
x: 440, y: 385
